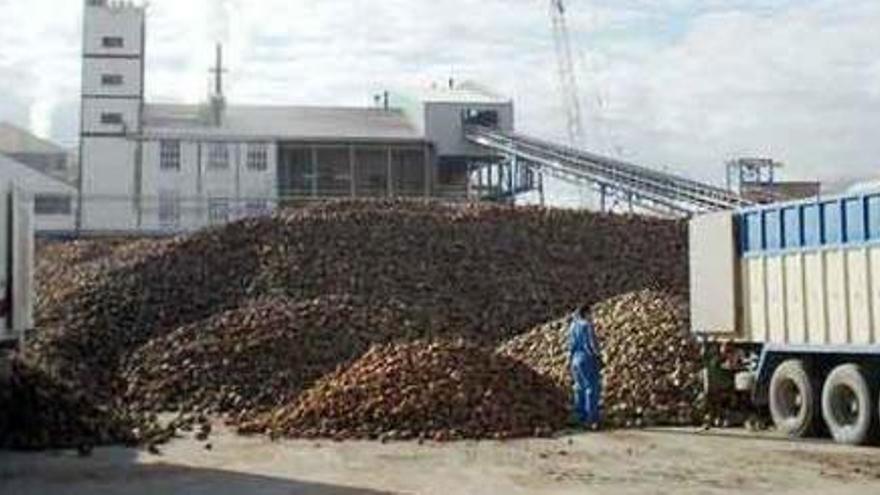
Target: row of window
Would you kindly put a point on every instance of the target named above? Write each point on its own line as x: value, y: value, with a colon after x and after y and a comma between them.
x: 851, y: 220
x: 219, y: 210
x: 256, y: 157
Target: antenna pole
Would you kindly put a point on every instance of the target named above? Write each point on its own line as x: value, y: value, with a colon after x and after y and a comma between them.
x: 218, y: 71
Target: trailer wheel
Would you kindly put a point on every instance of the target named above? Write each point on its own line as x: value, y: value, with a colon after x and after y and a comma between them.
x: 793, y: 400
x: 848, y: 405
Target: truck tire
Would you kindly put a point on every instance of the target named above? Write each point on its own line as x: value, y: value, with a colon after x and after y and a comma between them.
x: 848, y: 405
x: 793, y: 399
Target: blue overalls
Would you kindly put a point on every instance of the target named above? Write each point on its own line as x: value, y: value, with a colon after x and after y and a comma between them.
x: 585, y: 370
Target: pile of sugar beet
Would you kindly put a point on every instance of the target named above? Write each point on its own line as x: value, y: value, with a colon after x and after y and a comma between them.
x: 379, y: 320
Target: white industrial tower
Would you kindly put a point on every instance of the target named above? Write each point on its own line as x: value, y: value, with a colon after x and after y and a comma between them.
x: 112, y: 108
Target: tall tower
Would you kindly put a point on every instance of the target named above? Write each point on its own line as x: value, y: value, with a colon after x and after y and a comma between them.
x: 112, y: 105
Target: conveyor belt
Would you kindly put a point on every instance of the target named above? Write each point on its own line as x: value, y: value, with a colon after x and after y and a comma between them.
x: 648, y: 188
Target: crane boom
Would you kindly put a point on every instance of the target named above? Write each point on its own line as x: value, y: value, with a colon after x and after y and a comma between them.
x: 571, y: 100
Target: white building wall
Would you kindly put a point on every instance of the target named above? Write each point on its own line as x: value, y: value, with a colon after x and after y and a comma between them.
x: 221, y: 182
x: 94, y: 70
x: 261, y: 184
x: 113, y: 35
x: 204, y: 194
x: 444, y: 126
x: 113, y: 174
x: 124, y: 22
x: 94, y: 108
x: 108, y: 180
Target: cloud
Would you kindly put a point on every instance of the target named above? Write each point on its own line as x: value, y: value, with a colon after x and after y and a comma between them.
x: 39, y: 65
x: 797, y: 85
x: 682, y: 84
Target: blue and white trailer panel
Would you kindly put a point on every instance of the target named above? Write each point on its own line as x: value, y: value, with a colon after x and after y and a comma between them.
x: 798, y: 273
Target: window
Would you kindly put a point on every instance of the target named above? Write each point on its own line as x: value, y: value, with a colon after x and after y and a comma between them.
x: 484, y: 118
x: 258, y: 157
x: 112, y: 42
x: 218, y: 210
x: 218, y: 156
x: 111, y: 79
x: 111, y: 118
x: 53, y: 204
x: 169, y: 210
x: 169, y: 155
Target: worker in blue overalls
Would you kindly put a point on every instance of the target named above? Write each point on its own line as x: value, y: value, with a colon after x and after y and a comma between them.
x: 585, y: 369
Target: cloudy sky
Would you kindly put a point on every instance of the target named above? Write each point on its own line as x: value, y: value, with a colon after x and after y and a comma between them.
x: 677, y: 84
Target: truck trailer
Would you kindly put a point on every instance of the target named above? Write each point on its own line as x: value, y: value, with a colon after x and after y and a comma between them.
x: 795, y: 288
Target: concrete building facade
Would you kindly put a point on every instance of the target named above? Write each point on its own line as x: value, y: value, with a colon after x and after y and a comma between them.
x: 112, y: 106
x: 168, y: 167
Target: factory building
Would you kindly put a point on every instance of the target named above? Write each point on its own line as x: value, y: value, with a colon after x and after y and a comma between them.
x: 52, y: 199
x: 169, y: 167
x: 40, y: 169
x: 39, y: 154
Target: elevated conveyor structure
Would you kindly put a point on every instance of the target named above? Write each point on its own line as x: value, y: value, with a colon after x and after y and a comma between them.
x: 644, y: 188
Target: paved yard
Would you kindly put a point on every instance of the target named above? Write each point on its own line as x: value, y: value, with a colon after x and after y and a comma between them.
x: 662, y: 461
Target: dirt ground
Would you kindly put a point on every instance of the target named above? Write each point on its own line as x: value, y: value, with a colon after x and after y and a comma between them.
x: 657, y: 461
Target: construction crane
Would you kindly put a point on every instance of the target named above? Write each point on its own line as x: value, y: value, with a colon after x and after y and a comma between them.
x: 571, y: 100
x: 615, y: 180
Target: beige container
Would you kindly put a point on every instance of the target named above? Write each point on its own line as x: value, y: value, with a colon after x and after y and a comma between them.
x: 827, y: 294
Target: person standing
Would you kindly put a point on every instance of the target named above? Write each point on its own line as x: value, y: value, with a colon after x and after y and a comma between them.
x: 585, y: 369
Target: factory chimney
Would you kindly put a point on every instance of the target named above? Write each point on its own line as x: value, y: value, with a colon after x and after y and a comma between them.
x: 217, y: 99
